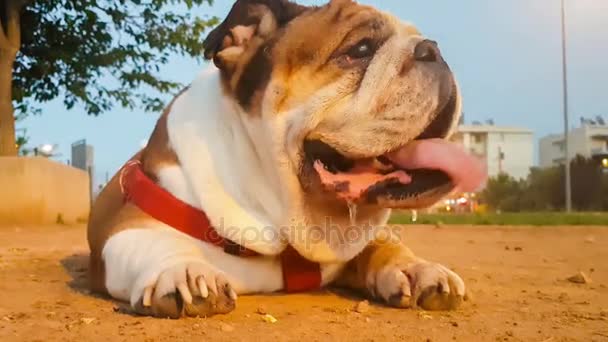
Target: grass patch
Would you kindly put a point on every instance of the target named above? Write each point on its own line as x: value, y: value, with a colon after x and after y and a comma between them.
x: 506, y: 219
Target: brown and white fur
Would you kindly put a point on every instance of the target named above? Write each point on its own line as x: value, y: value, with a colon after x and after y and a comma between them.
x: 231, y: 145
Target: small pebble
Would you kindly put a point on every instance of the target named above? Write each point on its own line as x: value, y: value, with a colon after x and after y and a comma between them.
x: 268, y: 318
x: 362, y: 307
x: 579, y: 278
x: 424, y: 315
x: 87, y: 321
x: 261, y: 310
x: 226, y: 327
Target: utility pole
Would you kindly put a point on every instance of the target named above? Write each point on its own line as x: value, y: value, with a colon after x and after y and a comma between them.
x: 568, y: 181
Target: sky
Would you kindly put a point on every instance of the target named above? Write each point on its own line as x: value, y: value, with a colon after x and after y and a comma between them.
x: 506, y: 55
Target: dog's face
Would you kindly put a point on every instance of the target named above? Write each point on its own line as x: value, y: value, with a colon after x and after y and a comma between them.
x: 337, y: 92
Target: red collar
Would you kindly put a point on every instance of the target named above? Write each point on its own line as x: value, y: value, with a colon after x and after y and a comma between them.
x: 299, y: 274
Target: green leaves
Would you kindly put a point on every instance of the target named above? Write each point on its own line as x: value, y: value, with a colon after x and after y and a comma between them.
x: 103, y: 53
x: 543, y: 190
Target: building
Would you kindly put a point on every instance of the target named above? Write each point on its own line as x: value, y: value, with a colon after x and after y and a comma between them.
x: 82, y: 155
x: 590, y: 140
x: 507, y: 150
x: 82, y: 158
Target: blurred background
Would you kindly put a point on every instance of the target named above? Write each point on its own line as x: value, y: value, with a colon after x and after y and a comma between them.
x: 507, y: 55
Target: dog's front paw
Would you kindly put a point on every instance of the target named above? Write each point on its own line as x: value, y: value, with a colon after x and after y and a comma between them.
x: 187, y: 289
x: 423, y: 284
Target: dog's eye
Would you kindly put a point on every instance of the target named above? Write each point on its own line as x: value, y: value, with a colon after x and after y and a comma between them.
x: 362, y: 49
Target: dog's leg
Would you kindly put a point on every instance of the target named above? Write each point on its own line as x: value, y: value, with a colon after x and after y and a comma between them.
x: 164, y: 273
x: 390, y: 272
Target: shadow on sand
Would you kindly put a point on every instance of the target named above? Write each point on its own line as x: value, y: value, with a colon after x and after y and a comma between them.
x: 77, y: 266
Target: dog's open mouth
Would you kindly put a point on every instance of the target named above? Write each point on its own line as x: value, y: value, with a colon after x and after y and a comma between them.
x: 413, y: 176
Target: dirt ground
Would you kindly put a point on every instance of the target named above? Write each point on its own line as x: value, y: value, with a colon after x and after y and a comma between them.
x: 517, y: 277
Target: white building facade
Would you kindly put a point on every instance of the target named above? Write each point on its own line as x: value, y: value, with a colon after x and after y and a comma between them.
x: 589, y: 141
x: 507, y: 150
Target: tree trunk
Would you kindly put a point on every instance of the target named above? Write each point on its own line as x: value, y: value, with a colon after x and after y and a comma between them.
x: 10, y: 42
x: 7, y: 118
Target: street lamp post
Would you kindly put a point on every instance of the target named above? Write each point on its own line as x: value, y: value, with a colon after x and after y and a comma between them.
x: 565, y: 96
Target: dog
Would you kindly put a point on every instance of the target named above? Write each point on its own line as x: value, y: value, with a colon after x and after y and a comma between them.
x: 310, y: 125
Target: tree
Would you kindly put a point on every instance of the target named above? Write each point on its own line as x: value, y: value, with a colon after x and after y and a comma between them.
x: 96, y: 53
x: 586, y: 184
x: 502, y: 192
x: 544, y: 188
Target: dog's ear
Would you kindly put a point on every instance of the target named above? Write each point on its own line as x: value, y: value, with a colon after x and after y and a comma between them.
x: 248, y: 19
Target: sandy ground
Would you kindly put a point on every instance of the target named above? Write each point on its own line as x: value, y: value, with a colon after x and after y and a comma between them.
x: 516, y: 275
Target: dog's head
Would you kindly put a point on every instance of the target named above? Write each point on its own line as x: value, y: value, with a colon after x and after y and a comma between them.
x: 352, y: 103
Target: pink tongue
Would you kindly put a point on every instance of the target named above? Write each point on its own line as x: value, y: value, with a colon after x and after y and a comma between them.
x: 467, y: 172
x: 350, y: 185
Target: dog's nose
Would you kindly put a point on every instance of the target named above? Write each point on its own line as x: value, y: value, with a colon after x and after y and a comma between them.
x: 427, y: 51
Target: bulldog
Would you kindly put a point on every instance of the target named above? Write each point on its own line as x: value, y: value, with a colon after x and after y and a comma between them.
x: 309, y: 126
